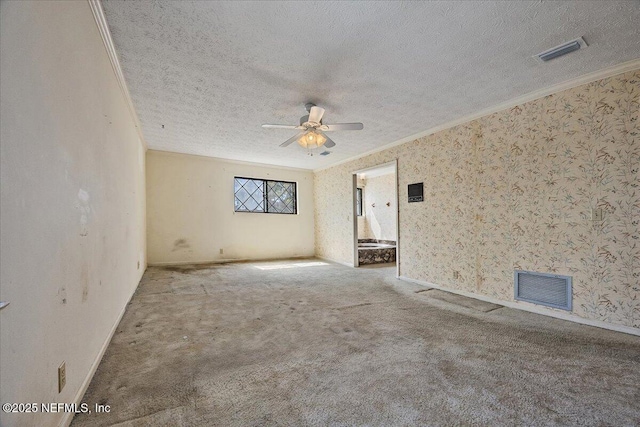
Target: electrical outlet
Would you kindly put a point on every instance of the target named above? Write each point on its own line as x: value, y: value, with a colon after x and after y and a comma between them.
x: 62, y: 376
x: 456, y: 274
x: 221, y: 251
x: 597, y: 214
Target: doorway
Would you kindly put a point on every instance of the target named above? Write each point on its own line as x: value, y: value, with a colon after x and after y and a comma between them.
x: 375, y: 216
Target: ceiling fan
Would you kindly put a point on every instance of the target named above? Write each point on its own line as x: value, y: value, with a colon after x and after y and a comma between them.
x: 312, y: 129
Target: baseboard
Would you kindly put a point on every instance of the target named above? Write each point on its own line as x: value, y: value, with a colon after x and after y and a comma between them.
x: 68, y: 416
x: 334, y: 260
x: 521, y: 305
x: 223, y: 261
x: 198, y: 262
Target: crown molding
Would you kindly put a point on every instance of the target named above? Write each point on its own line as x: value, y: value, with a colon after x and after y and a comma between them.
x: 101, y: 22
x: 532, y: 96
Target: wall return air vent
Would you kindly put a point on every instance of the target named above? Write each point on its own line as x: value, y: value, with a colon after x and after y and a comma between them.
x: 563, y: 49
x: 551, y: 290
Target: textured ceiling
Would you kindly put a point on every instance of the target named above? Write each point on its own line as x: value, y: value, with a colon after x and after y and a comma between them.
x: 213, y: 72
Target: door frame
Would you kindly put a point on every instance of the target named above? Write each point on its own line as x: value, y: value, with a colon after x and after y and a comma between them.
x: 354, y: 186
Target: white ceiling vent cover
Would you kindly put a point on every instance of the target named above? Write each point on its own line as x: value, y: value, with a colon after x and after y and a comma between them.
x: 551, y: 290
x: 561, y: 50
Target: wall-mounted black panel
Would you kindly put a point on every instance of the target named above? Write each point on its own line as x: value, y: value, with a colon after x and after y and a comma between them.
x: 416, y: 192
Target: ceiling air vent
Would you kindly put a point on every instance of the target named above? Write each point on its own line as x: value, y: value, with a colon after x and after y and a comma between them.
x: 325, y: 153
x: 563, y: 49
x: 551, y: 290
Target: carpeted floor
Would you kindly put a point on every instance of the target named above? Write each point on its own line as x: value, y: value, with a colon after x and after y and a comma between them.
x: 305, y: 342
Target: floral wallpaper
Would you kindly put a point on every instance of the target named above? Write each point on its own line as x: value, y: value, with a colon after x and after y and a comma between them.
x: 514, y: 190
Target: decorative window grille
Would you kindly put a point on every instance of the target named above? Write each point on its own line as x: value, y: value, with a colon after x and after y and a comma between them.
x: 264, y: 196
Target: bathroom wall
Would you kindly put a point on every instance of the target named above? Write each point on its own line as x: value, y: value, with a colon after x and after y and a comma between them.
x: 362, y: 219
x: 515, y: 190
x: 380, y: 219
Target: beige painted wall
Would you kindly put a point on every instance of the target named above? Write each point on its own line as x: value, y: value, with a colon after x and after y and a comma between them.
x: 514, y: 190
x: 379, y: 220
x: 72, y: 202
x: 190, y: 212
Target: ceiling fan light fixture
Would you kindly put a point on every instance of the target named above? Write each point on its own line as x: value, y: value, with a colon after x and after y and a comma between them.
x: 312, y: 139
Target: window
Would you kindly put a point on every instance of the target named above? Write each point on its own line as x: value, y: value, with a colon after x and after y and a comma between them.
x: 259, y: 195
x: 359, y: 201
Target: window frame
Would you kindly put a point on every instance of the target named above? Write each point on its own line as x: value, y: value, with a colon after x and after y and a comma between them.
x: 265, y: 195
x: 359, y: 201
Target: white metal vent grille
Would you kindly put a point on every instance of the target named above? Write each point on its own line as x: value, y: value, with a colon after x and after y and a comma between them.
x: 551, y: 290
x: 561, y: 50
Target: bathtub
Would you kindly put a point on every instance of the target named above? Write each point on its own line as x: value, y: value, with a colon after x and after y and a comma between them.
x: 372, y: 251
x: 374, y: 245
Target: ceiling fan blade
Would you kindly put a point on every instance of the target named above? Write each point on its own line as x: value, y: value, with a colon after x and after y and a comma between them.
x: 316, y: 113
x: 268, y: 126
x: 292, y: 139
x: 329, y: 142
x: 342, y: 126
